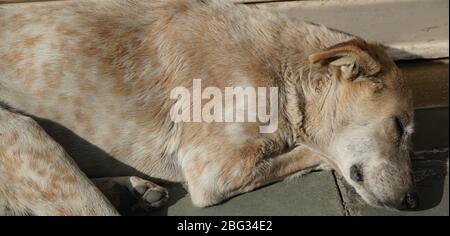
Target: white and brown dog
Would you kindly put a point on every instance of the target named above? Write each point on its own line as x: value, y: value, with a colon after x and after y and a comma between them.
x: 97, y: 76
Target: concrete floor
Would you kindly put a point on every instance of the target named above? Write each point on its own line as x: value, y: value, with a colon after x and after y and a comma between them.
x: 324, y: 193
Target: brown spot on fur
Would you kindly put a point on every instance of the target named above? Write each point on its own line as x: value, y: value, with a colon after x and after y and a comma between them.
x: 28, y: 196
x: 30, y: 42
x: 10, y: 139
x: 42, y: 94
x: 55, y: 114
x: 33, y: 164
x: 52, y: 77
x: 110, y: 109
x: 54, y: 180
x: 17, y: 17
x: 42, y: 172
x: 49, y: 195
x: 121, y: 89
x: 78, y: 102
x: 66, y: 31
x: 14, y: 57
x: 9, y: 164
x: 80, y: 116
x: 31, y: 184
x: 29, y: 72
x: 87, y: 85
x: 62, y: 97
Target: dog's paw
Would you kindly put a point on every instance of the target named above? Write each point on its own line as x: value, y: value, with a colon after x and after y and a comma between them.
x: 149, y: 195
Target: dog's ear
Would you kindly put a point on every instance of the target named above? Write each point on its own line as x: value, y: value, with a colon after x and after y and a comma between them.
x: 352, y: 57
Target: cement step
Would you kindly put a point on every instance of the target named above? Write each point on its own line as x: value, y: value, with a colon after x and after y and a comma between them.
x: 411, y: 28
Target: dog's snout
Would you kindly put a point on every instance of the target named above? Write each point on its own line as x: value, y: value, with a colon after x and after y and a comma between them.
x: 409, y: 201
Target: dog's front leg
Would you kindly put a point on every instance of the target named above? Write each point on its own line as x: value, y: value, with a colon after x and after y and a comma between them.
x: 217, y: 181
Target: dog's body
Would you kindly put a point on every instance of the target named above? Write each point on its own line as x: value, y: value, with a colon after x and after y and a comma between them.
x: 98, y: 77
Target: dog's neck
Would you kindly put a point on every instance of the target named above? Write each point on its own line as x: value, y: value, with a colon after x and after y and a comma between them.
x: 301, y: 85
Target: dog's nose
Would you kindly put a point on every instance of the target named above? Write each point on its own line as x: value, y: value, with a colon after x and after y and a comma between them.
x: 409, y: 201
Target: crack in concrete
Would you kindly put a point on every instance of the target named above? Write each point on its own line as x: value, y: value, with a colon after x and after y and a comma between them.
x: 345, y: 209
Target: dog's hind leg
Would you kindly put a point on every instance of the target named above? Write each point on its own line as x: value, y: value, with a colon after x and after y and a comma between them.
x: 132, y: 194
x: 37, y: 177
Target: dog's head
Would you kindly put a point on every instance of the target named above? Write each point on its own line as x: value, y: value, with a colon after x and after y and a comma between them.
x: 360, y: 115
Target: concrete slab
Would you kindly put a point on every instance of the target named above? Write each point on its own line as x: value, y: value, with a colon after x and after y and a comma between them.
x: 412, y: 28
x: 312, y: 194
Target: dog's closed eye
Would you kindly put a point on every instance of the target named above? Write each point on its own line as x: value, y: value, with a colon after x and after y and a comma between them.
x: 400, y: 127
